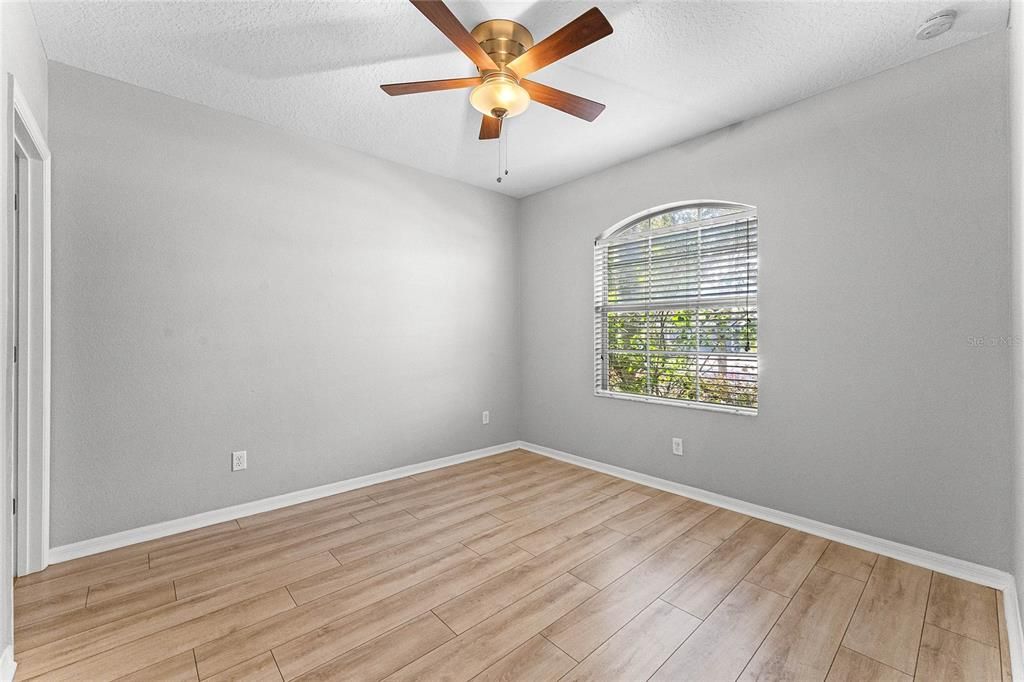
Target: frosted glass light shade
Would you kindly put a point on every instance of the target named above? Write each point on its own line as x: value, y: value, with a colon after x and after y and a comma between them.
x: 499, y: 96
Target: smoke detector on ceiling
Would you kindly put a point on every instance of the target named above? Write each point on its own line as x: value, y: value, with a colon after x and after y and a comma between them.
x: 936, y: 24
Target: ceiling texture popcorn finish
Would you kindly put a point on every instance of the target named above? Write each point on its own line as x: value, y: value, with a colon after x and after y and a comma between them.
x: 671, y: 71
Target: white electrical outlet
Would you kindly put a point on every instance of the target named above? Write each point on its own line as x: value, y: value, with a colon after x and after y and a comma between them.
x: 486, y: 417
x: 238, y: 460
x: 677, y: 446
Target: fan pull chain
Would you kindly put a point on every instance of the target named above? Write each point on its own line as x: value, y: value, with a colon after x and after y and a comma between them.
x: 499, y: 155
x: 502, y: 135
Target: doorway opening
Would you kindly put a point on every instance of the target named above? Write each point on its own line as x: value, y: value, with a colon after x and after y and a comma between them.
x: 14, y: 305
x: 25, y: 354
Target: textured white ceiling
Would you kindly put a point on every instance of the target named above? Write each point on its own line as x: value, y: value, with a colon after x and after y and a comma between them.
x: 670, y: 71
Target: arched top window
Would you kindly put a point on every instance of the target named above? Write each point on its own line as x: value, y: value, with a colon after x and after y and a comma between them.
x: 675, y: 307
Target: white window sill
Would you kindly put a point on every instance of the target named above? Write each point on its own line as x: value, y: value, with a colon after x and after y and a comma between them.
x: 745, y: 411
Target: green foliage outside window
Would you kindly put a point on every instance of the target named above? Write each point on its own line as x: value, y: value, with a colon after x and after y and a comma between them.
x: 712, y: 367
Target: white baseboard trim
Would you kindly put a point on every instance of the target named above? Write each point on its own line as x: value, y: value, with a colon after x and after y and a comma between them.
x: 984, y: 575
x: 958, y: 568
x: 165, y: 528
x: 7, y: 665
x: 1014, y: 631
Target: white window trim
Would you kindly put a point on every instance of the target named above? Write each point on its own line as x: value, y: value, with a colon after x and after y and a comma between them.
x: 599, y: 341
x: 672, y: 402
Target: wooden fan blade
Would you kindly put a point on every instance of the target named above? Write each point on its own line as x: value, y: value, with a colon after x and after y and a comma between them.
x: 439, y: 15
x: 577, y: 106
x: 585, y: 29
x: 430, y: 86
x: 490, y: 128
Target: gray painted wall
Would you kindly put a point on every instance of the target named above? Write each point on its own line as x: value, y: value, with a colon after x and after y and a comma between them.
x: 883, y: 210
x: 221, y: 285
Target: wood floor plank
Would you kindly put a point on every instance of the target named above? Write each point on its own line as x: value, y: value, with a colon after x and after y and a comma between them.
x: 640, y: 515
x: 614, y: 562
x: 486, y: 599
x: 304, y: 591
x: 1004, y: 640
x: 331, y: 518
x: 647, y: 490
x: 219, y: 576
x: 641, y: 647
x: 538, y: 660
x: 550, y: 493
x: 702, y: 589
x: 718, y: 526
x: 617, y: 487
x: 153, y: 648
x: 26, y: 593
x: 460, y: 483
x: 436, y: 492
x: 383, y: 655
x: 946, y: 655
x: 583, y: 629
x: 720, y: 648
x: 446, y: 504
x: 308, y: 651
x: 965, y: 608
x: 476, y: 466
x: 805, y: 639
x: 405, y: 483
x: 529, y: 461
x: 179, y: 668
x: 117, y: 633
x: 564, y: 486
x: 88, y: 617
x: 521, y: 465
x: 524, y: 525
x: 252, y: 540
x: 887, y: 623
x: 320, y: 612
x: 378, y: 542
x: 484, y: 644
x: 786, y: 564
x: 275, y: 516
x: 849, y: 666
x: 847, y: 560
x: 260, y: 668
x: 33, y: 612
x: 115, y: 556
x: 561, y: 531
x: 467, y: 491
x: 244, y: 563
x: 365, y: 584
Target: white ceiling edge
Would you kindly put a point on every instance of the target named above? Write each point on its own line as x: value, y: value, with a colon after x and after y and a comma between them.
x: 313, y: 68
x: 755, y: 117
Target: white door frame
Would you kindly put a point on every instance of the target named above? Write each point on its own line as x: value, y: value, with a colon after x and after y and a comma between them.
x: 33, y: 486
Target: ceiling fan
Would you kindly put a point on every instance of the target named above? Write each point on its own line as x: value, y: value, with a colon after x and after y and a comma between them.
x: 504, y: 53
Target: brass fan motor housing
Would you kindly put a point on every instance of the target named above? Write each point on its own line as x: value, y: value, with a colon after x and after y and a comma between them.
x: 503, y: 40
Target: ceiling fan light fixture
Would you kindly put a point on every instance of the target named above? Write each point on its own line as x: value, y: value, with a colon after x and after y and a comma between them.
x: 500, y: 96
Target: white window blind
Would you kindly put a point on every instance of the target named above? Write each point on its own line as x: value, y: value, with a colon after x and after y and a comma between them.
x: 675, y: 307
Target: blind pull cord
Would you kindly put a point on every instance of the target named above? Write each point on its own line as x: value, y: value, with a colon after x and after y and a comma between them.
x: 746, y: 328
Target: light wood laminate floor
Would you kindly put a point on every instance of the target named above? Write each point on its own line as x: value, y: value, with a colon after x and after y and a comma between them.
x: 511, y: 567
